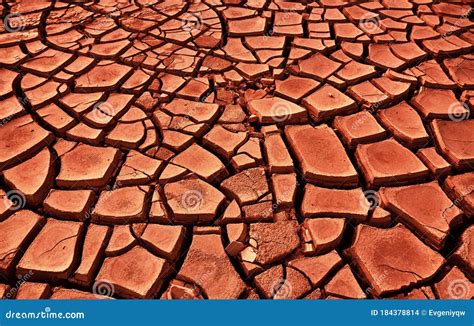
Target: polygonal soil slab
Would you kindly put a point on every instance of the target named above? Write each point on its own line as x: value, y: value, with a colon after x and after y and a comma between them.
x: 208, y: 266
x: 53, y: 253
x: 388, y: 163
x: 322, y: 156
x: 29, y: 139
x: 135, y: 274
x: 424, y: 207
x: 392, y: 259
x: 17, y: 231
x: 277, y: 110
x: 193, y: 200
x: 121, y: 206
x: 455, y: 140
x: 87, y: 166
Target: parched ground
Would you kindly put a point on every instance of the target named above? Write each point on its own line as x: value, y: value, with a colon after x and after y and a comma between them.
x: 236, y: 149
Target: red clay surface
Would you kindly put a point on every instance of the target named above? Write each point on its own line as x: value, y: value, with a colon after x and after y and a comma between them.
x: 236, y: 149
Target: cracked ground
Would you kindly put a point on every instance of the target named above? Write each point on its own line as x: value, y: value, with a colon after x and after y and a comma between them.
x: 224, y: 149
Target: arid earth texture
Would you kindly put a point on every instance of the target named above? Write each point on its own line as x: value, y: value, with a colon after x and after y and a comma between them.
x: 236, y: 149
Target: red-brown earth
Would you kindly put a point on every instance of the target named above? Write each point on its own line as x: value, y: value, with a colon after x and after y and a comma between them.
x: 236, y: 149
